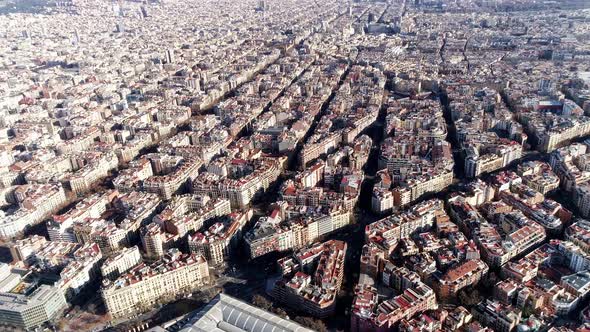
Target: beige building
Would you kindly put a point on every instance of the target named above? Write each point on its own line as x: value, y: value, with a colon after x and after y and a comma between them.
x: 466, y: 274
x: 36, y: 202
x: 415, y: 188
x: 24, y: 250
x: 219, y: 241
x: 114, y: 266
x: 167, y: 185
x: 145, y: 285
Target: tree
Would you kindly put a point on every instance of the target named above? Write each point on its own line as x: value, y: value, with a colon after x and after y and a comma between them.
x: 527, y: 311
x: 469, y: 297
x: 279, y: 312
x: 490, y: 280
x: 314, y: 324
x: 61, y: 324
x: 261, y: 302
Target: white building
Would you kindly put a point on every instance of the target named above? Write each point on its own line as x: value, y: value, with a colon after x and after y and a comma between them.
x: 145, y: 285
x: 121, y: 263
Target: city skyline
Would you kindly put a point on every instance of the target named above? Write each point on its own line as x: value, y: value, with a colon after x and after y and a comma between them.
x: 295, y: 165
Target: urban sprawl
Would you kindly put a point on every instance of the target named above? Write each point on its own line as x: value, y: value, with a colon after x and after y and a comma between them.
x: 295, y: 165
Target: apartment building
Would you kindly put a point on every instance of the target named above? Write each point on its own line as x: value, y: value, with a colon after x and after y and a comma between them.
x: 219, y: 241
x: 144, y: 285
x: 80, y: 271
x: 123, y: 261
x: 60, y: 226
x: 314, y: 290
x: 465, y: 274
x: 24, y: 250
x: 175, y: 178
x: 36, y: 202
